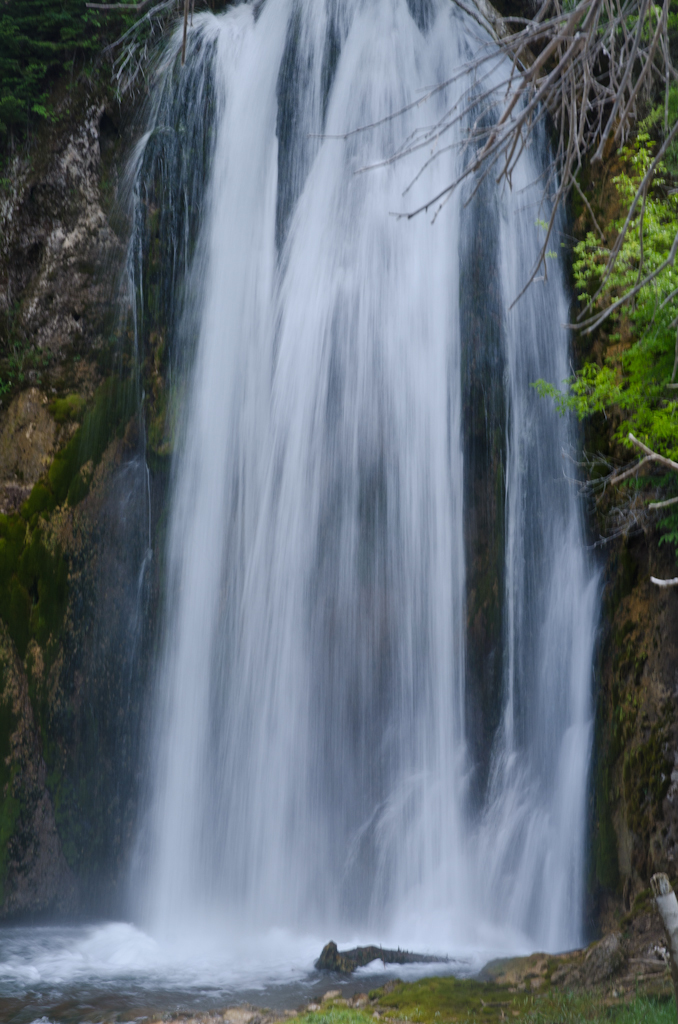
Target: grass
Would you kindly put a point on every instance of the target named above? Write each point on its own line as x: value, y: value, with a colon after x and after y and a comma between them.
x: 575, y: 1007
x: 443, y: 1000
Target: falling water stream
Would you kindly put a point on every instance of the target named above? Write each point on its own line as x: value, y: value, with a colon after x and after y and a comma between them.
x: 373, y: 711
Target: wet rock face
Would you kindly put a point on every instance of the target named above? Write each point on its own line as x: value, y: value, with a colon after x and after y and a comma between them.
x: 71, y: 699
x: 54, y: 241
x: 71, y: 685
x: 636, y: 771
x: 28, y: 439
x: 35, y: 876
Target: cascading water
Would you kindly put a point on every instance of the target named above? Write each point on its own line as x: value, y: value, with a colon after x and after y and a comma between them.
x: 373, y: 698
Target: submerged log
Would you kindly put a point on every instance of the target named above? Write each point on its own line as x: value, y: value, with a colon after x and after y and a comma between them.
x: 345, y: 963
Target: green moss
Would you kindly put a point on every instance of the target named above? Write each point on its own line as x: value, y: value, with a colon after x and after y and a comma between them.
x: 33, y: 602
x: 113, y: 405
x: 12, y: 536
x: 9, y: 805
x: 34, y: 579
x: 624, y: 580
x: 45, y: 576
x: 439, y: 1000
x: 65, y: 410
x: 10, y: 809
x: 646, y: 778
x: 40, y: 500
x: 78, y: 488
x: 159, y: 440
x: 434, y: 1000
x: 33, y: 584
x: 605, y: 838
x: 64, y: 467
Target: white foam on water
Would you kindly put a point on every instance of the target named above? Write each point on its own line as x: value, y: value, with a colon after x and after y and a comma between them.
x: 92, y: 964
x: 45, y: 959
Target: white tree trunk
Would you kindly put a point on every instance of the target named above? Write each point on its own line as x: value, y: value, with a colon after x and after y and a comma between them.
x: 667, y: 905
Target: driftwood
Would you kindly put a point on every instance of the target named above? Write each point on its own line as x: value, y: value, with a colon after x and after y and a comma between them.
x: 345, y: 963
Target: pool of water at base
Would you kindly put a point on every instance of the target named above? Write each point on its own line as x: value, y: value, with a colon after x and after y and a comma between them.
x: 113, y: 971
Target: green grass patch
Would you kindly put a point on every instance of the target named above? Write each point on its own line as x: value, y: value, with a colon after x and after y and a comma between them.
x: 442, y: 999
x: 337, y: 1015
x: 577, y: 1007
x: 446, y: 999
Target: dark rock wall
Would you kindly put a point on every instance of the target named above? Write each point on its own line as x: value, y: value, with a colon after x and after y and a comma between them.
x: 635, y: 777
x: 77, y: 504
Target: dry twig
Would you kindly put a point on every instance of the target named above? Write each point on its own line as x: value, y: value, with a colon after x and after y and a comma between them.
x: 587, y: 68
x: 634, y: 513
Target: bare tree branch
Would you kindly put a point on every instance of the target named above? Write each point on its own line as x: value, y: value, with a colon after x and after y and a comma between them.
x: 587, y: 69
x: 654, y: 456
x: 629, y: 516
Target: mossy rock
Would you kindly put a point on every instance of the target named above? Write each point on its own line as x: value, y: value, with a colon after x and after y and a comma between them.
x: 646, y: 777
x: 68, y: 409
x: 34, y: 578
x: 41, y: 501
x: 114, y: 404
x: 441, y: 999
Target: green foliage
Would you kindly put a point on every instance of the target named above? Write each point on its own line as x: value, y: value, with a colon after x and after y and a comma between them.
x: 40, y: 42
x: 634, y: 376
x: 631, y: 383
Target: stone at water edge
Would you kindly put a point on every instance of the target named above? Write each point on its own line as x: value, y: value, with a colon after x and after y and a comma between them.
x: 345, y: 963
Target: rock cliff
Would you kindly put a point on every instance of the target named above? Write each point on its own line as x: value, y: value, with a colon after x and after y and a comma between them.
x: 74, y: 522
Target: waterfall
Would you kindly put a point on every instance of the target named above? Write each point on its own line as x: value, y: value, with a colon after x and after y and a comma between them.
x: 373, y: 695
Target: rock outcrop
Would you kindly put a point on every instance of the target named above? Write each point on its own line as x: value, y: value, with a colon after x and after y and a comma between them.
x: 635, y: 776
x: 74, y: 523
